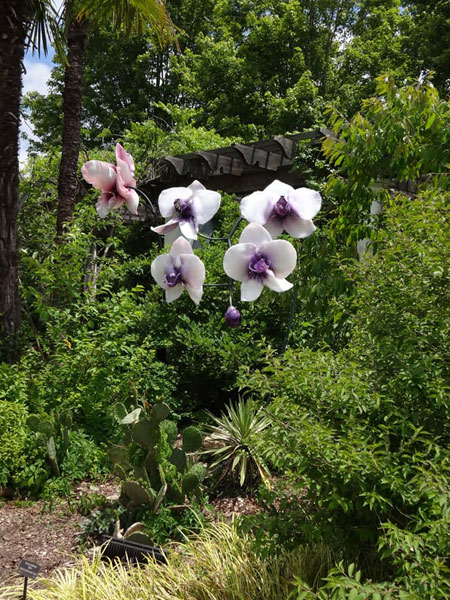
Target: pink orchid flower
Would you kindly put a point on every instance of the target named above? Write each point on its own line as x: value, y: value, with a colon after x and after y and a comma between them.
x: 179, y: 270
x: 187, y: 208
x: 259, y: 261
x: 115, y: 183
x: 279, y: 207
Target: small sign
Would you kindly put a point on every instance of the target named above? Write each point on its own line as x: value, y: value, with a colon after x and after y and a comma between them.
x: 29, y: 569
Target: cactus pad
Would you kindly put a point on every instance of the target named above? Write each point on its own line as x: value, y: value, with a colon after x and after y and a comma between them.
x: 145, y: 433
x: 193, y: 478
x: 160, y: 412
x: 192, y: 439
x: 137, y: 493
x: 178, y: 458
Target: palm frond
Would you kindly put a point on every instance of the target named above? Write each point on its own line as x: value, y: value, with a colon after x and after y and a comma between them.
x: 131, y: 16
x: 45, y: 29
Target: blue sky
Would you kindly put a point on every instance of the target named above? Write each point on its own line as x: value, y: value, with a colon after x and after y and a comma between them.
x: 35, y: 77
x: 37, y: 72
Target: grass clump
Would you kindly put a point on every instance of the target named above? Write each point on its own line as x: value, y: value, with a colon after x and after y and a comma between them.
x: 217, y: 564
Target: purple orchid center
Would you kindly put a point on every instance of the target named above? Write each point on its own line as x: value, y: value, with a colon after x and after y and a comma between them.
x: 184, y: 209
x: 173, y: 277
x: 282, y: 207
x: 258, y: 265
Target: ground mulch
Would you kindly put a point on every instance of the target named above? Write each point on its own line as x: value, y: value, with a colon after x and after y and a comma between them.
x: 49, y: 535
x: 45, y: 534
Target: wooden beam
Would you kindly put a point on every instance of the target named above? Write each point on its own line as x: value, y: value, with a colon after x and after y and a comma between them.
x: 222, y: 164
x: 286, y: 145
x: 177, y: 163
x: 256, y: 157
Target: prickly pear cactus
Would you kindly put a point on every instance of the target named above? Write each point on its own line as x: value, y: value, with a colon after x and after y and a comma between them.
x: 192, y: 439
x: 47, y: 430
x: 193, y: 478
x: 150, y: 458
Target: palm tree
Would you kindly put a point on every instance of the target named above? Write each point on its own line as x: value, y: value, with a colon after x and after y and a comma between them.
x: 126, y: 16
x: 22, y: 22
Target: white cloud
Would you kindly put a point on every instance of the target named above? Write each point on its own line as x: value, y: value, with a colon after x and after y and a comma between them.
x: 36, y: 77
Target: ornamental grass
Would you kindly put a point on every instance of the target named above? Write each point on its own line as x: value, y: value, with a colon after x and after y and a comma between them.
x: 217, y: 564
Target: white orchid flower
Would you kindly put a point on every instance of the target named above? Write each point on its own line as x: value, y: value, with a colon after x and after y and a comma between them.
x: 187, y: 208
x: 179, y: 270
x: 259, y: 261
x: 279, y: 207
x: 115, y: 183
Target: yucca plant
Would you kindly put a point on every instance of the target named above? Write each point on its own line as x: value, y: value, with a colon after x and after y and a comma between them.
x: 232, y: 440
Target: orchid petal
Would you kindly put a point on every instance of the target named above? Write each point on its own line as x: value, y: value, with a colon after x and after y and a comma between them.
x: 282, y: 256
x: 298, y: 227
x: 192, y: 271
x: 236, y: 259
x: 107, y: 202
x: 255, y: 233
x: 195, y: 293
x: 132, y: 201
x: 205, y: 204
x: 275, y: 227
x: 125, y: 173
x: 168, y: 197
x: 159, y: 268
x: 305, y: 202
x: 256, y: 207
x: 276, y: 284
x: 180, y: 246
x: 100, y: 174
x: 169, y: 226
x: 196, y: 186
x: 188, y: 229
x: 277, y: 188
x: 103, y: 206
x: 172, y: 293
x: 122, y: 154
x: 124, y: 180
x: 251, y: 290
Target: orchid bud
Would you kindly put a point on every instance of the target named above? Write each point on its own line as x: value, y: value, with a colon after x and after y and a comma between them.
x: 233, y: 317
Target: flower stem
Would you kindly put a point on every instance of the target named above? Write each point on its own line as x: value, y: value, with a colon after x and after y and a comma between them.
x: 147, y: 199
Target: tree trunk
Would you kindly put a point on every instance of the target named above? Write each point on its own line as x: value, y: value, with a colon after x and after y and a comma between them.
x: 14, y: 20
x: 72, y: 102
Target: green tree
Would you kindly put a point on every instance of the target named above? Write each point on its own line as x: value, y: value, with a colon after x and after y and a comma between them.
x: 21, y: 22
x: 427, y: 42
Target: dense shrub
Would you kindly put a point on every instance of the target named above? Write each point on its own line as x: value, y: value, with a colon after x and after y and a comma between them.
x: 13, y: 439
x: 362, y: 434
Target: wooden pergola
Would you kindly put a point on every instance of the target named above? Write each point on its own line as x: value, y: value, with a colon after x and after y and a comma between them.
x: 237, y: 169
